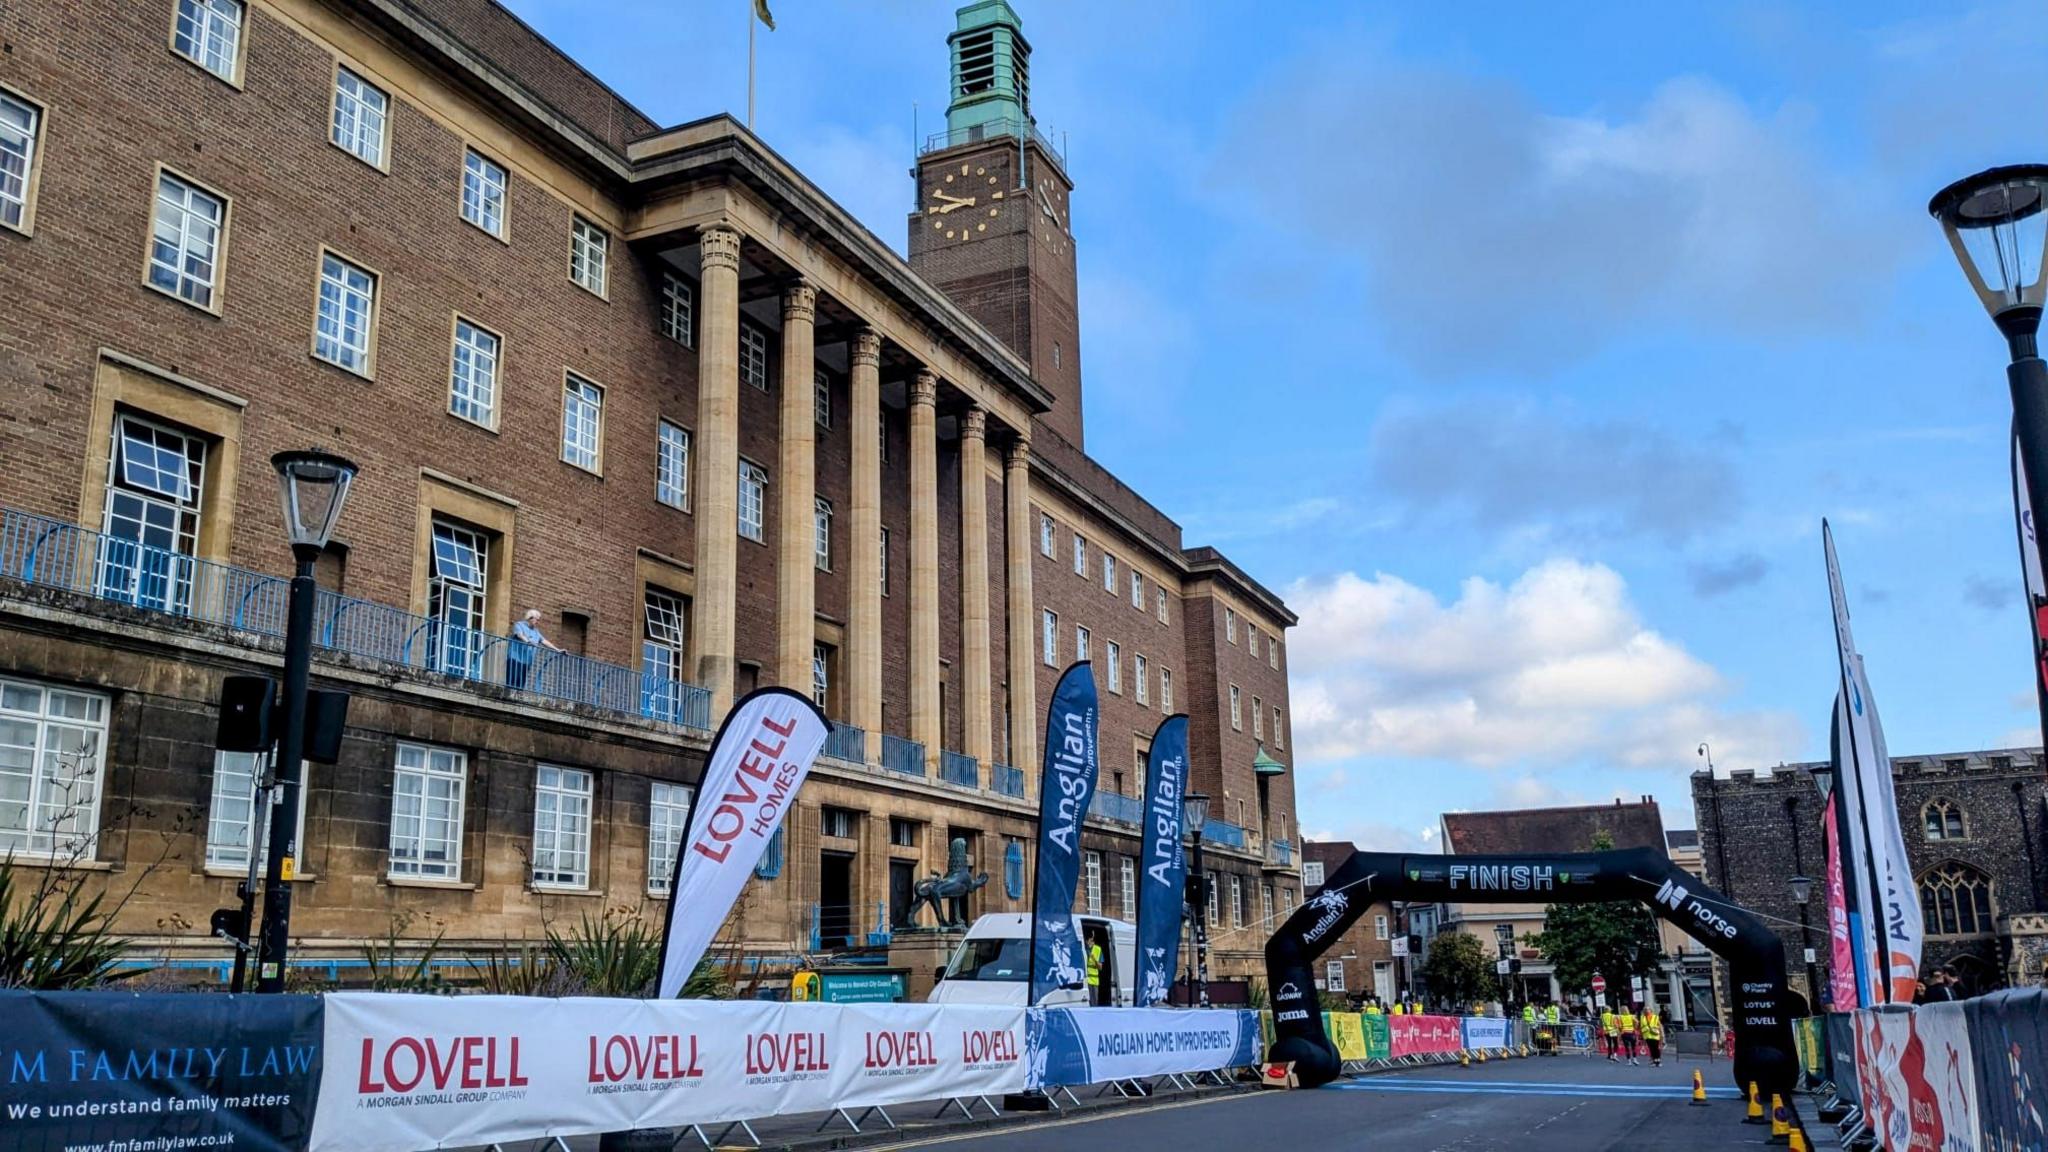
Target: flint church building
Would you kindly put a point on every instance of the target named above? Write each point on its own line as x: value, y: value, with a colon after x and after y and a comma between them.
x: 651, y: 382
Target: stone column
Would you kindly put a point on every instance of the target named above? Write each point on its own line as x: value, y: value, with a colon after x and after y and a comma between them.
x: 864, y: 637
x: 974, y: 644
x: 796, y: 580
x: 717, y: 445
x: 1023, y: 630
x: 924, y: 566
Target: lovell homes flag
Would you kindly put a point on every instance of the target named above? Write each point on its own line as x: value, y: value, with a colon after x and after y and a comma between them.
x: 758, y: 760
x: 1162, y: 894
x: 1065, y: 790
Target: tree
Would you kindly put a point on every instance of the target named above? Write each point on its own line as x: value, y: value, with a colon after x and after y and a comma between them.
x: 1458, y: 968
x: 1617, y: 939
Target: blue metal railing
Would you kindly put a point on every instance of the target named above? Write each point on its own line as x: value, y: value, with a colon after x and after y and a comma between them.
x: 52, y: 554
x: 846, y: 742
x: 1228, y: 835
x: 900, y: 755
x: 959, y: 769
x: 850, y: 926
x: 989, y: 130
x: 1006, y: 780
x: 1280, y: 852
x: 1122, y: 809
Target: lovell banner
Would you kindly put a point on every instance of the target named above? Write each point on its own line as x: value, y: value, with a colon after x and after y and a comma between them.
x: 1095, y: 1045
x: 1425, y: 1035
x: 167, y: 1070
x: 1917, y: 1078
x: 412, y: 1072
x: 2009, y: 1038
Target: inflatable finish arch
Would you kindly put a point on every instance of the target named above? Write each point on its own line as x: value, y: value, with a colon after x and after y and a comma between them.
x: 1756, y: 958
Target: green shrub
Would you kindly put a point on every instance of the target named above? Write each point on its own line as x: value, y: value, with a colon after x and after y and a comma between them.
x: 54, y: 937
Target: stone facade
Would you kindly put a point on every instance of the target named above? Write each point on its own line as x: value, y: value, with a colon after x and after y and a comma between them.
x: 921, y: 423
x: 1760, y: 829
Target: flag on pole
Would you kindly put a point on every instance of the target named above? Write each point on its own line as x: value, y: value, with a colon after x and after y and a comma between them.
x: 1065, y: 790
x: 2030, y: 571
x: 762, y: 14
x: 1162, y: 882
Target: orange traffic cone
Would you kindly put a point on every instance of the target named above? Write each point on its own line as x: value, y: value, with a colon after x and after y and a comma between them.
x: 1781, y: 1128
x: 1699, y: 1089
x: 1798, y: 1140
x: 1756, y: 1108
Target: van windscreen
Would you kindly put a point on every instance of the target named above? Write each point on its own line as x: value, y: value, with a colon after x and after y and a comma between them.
x: 991, y: 959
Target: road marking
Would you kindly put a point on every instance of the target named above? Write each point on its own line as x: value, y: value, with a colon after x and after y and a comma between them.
x: 1657, y: 1089
x: 1480, y: 1088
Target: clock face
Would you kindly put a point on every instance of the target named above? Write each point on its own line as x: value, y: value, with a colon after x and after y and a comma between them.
x: 960, y: 203
x: 1052, y: 214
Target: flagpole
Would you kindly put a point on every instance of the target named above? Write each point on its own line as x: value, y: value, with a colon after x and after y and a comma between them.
x: 751, y: 19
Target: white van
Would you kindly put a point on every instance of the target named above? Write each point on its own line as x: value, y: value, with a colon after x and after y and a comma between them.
x: 993, y: 964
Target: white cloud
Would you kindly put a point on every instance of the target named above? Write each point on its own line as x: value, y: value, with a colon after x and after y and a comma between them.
x: 1556, y: 668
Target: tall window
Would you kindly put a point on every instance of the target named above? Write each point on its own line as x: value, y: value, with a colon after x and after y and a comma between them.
x: 1143, y: 676
x: 154, y: 479
x: 473, y: 377
x: 455, y: 598
x: 1137, y: 591
x: 1273, y: 653
x: 1333, y: 975
x: 1236, y: 710
x: 52, y: 743
x: 754, y: 357
x: 1379, y: 927
x: 185, y: 240
x: 1166, y: 689
x: 1044, y: 535
x: 821, y: 676
x: 1050, y: 640
x: 231, y: 811
x: 883, y: 544
x: 1279, y: 733
x: 1258, y: 719
x: 561, y: 827
x: 1236, y: 900
x: 821, y: 398
x: 19, y: 125
x: 661, y: 637
x: 753, y: 500
x: 672, y: 465
x: 1251, y: 639
x: 1955, y: 900
x: 209, y: 34
x: 1311, y: 874
x: 1116, y: 667
x: 1230, y: 625
x: 348, y: 303
x: 668, y: 819
x: 361, y: 110
x: 1159, y: 602
x: 1943, y: 820
x: 1080, y: 554
x: 1080, y: 642
x: 483, y: 193
x: 1128, y: 892
x: 821, y: 524
x: 582, y: 422
x: 678, y: 310
x: 426, y: 812
x: 589, y: 248
x: 1108, y: 572
x: 1214, y: 883
x: 1093, y: 863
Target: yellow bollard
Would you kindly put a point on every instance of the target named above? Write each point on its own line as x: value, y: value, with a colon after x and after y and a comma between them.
x: 1464, y: 1060
x: 1781, y: 1129
x: 1699, y: 1089
x: 1756, y: 1108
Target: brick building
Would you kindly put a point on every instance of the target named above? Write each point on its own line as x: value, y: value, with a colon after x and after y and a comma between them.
x: 1973, y: 830
x: 648, y: 380
x: 1359, y: 963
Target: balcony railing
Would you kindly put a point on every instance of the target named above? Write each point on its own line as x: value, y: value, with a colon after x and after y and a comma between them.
x: 49, y: 553
x: 900, y: 755
x: 847, y: 742
x: 1121, y: 809
x: 1228, y: 835
x: 1010, y: 126
x: 959, y: 769
x: 1280, y: 854
x: 1007, y: 781
x: 835, y: 928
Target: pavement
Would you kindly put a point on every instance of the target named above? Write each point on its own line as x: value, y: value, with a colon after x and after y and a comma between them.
x: 1560, y: 1104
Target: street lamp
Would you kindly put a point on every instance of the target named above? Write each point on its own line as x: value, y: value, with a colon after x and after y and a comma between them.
x: 1802, y: 894
x: 1194, y: 809
x: 314, y: 486
x: 1505, y: 934
x: 1995, y: 223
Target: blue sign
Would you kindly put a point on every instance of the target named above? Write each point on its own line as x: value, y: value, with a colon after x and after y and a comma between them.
x: 1065, y: 790
x: 1162, y: 891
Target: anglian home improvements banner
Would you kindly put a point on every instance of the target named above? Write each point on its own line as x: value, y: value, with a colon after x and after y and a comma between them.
x: 1095, y: 1045
x: 758, y: 760
x: 1064, y: 793
x: 1162, y: 876
x: 412, y: 1072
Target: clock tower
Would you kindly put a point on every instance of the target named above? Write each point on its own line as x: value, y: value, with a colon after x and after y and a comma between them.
x: 993, y: 225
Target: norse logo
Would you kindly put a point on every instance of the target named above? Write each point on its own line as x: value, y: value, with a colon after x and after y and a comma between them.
x: 1672, y: 894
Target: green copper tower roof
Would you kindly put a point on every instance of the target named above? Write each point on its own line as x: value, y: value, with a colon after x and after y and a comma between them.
x: 991, y: 72
x: 1265, y: 765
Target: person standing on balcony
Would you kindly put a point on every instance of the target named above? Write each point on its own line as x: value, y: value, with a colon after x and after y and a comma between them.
x: 526, y: 636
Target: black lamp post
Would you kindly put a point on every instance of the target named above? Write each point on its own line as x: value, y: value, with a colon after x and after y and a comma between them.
x: 1194, y: 808
x: 314, y: 486
x: 1995, y: 223
x: 1802, y: 894
x: 1505, y: 935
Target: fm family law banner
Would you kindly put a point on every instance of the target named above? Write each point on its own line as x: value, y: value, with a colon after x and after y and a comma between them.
x: 1097, y: 1045
x: 1162, y: 888
x: 1425, y: 1035
x: 1064, y: 793
x: 185, y: 1070
x: 758, y: 760
x: 412, y: 1072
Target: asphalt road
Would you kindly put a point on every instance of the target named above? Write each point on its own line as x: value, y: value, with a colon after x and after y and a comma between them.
x: 1565, y: 1104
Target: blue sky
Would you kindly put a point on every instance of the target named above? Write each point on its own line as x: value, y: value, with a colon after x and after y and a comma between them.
x: 1523, y: 347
